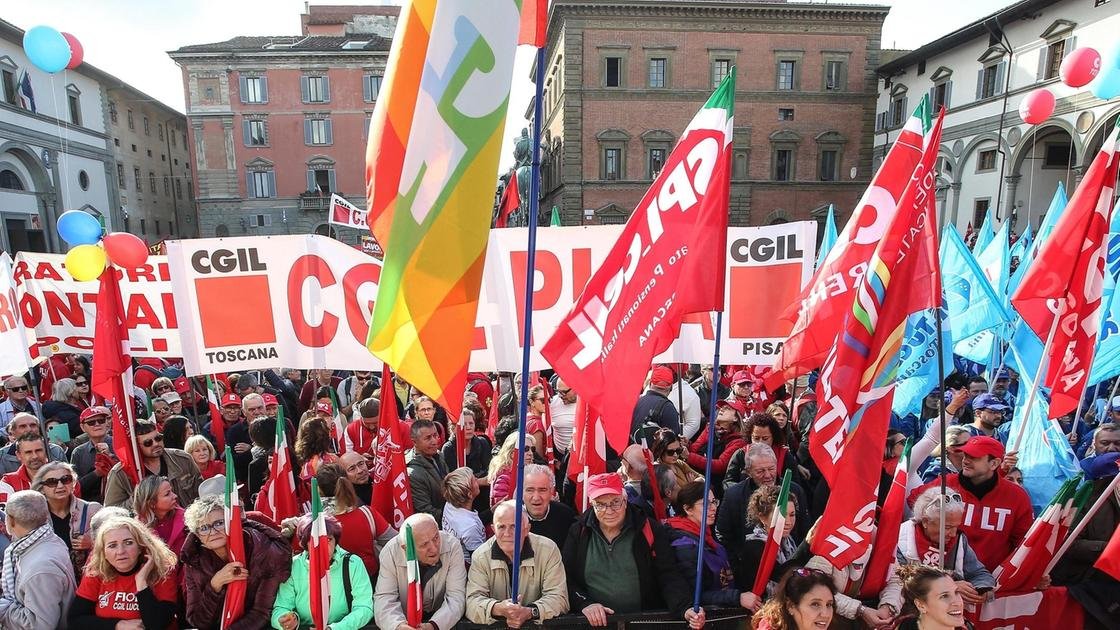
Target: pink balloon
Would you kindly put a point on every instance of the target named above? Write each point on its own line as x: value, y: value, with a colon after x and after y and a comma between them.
x: 77, y: 53
x: 125, y: 250
x: 1037, y: 106
x: 1080, y: 67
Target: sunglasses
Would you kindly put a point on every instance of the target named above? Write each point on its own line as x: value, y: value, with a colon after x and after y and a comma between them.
x: 18, y: 388
x: 54, y: 481
x: 164, y: 388
x: 895, y: 443
x: 674, y: 451
x: 95, y: 422
x: 152, y: 440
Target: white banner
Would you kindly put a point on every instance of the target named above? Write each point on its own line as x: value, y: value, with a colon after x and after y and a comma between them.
x: 767, y: 266
x: 14, y: 359
x: 59, y: 312
x: 346, y: 214
x: 257, y: 302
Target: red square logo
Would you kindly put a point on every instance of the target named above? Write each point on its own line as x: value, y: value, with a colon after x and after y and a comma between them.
x: 235, y: 311
x: 759, y: 295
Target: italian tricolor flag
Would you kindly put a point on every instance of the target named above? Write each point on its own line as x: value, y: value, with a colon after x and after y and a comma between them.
x: 415, y: 603
x: 774, y: 540
x: 319, y: 562
x: 234, y: 606
x: 280, y: 492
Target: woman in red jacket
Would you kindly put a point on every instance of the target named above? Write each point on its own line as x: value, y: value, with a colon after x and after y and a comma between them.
x: 729, y: 438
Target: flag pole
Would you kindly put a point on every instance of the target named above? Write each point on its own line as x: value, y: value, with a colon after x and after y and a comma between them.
x: 1084, y: 522
x: 530, y: 276
x: 1080, y: 406
x: 708, y: 463
x: 941, y: 419
x: 1037, y: 381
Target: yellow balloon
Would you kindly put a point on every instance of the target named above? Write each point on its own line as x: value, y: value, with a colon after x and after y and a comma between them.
x: 86, y: 262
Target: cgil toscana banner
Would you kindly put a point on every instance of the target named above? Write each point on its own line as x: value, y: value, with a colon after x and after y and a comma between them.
x: 305, y: 301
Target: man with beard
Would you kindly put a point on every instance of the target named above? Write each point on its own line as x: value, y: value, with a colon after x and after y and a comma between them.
x: 988, y: 413
x: 357, y: 471
x: 177, y: 466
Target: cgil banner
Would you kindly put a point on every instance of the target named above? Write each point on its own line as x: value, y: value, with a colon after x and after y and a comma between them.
x: 13, y: 339
x: 766, y: 268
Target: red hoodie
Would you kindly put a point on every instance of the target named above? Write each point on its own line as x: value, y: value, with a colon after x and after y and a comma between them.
x: 698, y: 452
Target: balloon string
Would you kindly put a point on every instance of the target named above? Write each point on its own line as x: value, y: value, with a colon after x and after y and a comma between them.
x: 1030, y: 179
x: 57, y: 165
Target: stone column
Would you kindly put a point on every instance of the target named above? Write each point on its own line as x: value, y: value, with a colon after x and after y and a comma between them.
x: 1012, y: 188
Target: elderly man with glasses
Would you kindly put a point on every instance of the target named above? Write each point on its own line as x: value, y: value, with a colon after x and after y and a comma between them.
x: 21, y: 424
x: 19, y: 401
x: 172, y: 463
x: 93, y: 459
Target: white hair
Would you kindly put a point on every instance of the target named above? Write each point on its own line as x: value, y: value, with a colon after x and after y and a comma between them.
x: 929, y: 505
x: 28, y: 509
x: 541, y: 469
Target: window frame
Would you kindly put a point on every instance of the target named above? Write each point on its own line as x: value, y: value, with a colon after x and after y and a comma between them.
x: 620, y: 71
x: 981, y: 154
x: 651, y: 72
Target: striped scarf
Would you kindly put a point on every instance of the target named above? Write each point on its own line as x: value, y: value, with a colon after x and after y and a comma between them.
x: 13, y: 554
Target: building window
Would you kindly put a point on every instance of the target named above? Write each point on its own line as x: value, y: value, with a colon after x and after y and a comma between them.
x: 166, y: 185
x: 254, y: 90
x: 787, y: 73
x: 612, y: 163
x: 136, y: 176
x: 134, y: 148
x: 317, y: 131
x: 152, y: 182
x: 262, y: 184
x: 131, y: 122
x: 254, y: 132
x: 315, y: 89
x: 783, y: 165
x: 179, y: 189
x: 321, y: 179
x: 149, y: 153
x: 990, y: 80
x: 190, y: 190
x: 170, y: 228
x: 147, y: 127
x: 143, y: 227
x: 656, y: 161
x: 120, y: 176
x: 898, y: 110
x: 75, y: 103
x: 113, y: 118
x: 612, y: 72
x: 159, y: 128
x: 172, y: 134
x: 8, y: 79
x: 980, y: 210
x: 939, y: 96
x: 83, y: 180
x: 10, y: 181
x: 785, y: 113
x: 720, y: 69
x: 1058, y: 155
x: 156, y: 221
x: 740, y: 164
x: 834, y: 75
x: 830, y: 165
x: 1054, y: 54
x: 371, y: 87
x: 116, y: 142
x: 657, y: 72
x: 986, y: 160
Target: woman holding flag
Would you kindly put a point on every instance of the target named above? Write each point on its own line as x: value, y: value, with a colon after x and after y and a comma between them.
x: 207, y: 569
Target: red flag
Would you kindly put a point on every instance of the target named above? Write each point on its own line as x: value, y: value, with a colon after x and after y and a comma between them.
x: 217, y: 424
x: 1067, y: 277
x: 1050, y: 608
x: 589, y: 450
x: 659, y: 271
x: 1023, y: 569
x: 886, y: 530
x: 495, y: 414
x: 111, y: 377
x: 534, y: 22
x: 234, y: 606
x: 277, y: 498
x: 546, y: 421
x: 319, y: 564
x: 510, y: 201
x: 658, y: 501
x: 392, y: 496
x: 818, y: 314
x: 1109, y: 560
x: 856, y: 388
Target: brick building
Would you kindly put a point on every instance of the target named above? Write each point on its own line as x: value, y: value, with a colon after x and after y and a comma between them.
x: 624, y: 77
x: 279, y: 123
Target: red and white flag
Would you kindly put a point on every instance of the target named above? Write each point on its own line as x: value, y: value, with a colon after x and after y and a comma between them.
x: 414, y: 602
x: 392, y: 496
x: 1050, y: 608
x: 668, y: 263
x: 886, y: 530
x: 1023, y: 569
x: 234, y: 606
x: 818, y: 314
x: 773, y: 538
x: 278, y: 497
x: 858, y: 378
x: 319, y: 563
x: 111, y: 377
x: 589, y: 450
x: 346, y: 214
x: 1062, y: 289
x: 534, y: 22
x: 217, y: 423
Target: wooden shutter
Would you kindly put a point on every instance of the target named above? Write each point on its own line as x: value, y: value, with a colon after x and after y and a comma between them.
x: 980, y: 84
x: 264, y: 89
x: 246, y: 134
x: 330, y: 181
x: 310, y: 180
x: 328, y: 131
x: 272, y: 183
x: 243, y: 86
x: 249, y: 184
x: 367, y: 87
x: 304, y: 89
x: 1043, y: 61
x: 1001, y: 77
x: 326, y: 89
x: 307, y: 131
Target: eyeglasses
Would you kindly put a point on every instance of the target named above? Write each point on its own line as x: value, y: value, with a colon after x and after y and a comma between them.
x: 95, y: 422
x: 564, y: 392
x: 613, y: 506
x: 82, y: 383
x: 17, y: 388
x: 152, y: 440
x: 209, y: 529
x: 676, y: 452
x: 54, y: 481
x: 895, y: 443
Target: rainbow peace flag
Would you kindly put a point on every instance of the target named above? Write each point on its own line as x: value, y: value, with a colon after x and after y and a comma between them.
x: 431, y: 169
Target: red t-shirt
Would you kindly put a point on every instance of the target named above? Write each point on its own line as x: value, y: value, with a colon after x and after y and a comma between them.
x: 359, y: 535
x: 116, y: 599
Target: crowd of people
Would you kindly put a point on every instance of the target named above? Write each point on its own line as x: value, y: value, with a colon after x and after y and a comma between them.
x: 86, y: 547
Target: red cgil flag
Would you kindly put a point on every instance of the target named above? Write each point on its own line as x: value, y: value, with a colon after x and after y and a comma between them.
x: 856, y: 387
x: 111, y: 377
x: 1067, y: 276
x: 588, y: 452
x: 546, y: 421
x: 534, y: 22
x: 495, y: 414
x: 887, y: 529
x: 658, y: 272
x: 392, y: 496
x: 510, y: 201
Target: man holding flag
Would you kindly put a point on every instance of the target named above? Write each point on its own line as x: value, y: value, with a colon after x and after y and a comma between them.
x: 438, y: 557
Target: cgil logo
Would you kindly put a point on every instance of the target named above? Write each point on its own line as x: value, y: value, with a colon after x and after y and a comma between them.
x: 225, y: 261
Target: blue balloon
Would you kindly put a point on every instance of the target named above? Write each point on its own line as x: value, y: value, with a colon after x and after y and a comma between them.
x: 1107, y: 84
x: 78, y: 228
x: 46, y: 48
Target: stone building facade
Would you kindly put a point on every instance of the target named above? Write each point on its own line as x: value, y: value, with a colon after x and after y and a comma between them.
x: 276, y: 124
x: 624, y: 77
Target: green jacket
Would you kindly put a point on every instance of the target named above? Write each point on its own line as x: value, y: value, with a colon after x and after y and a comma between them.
x: 294, y: 594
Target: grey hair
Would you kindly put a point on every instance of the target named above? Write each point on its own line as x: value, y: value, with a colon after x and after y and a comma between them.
x: 47, y: 468
x: 511, y: 504
x: 757, y: 450
x: 63, y: 389
x: 928, y: 505
x: 28, y: 509
x: 10, y: 381
x: 541, y: 469
x: 248, y: 397
x: 105, y: 513
x: 202, y: 507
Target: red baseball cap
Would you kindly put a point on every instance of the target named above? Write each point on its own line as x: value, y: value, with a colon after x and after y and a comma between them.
x: 742, y: 376
x: 269, y: 399
x: 231, y: 399
x: 182, y: 385
x: 981, y: 445
x: 604, y: 483
x: 733, y: 406
x: 324, y: 407
x: 93, y: 411
x: 662, y: 376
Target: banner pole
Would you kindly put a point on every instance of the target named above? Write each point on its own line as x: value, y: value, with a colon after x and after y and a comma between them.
x: 708, y: 463
x: 530, y: 276
x: 1037, y: 382
x: 1080, y: 406
x: 941, y: 419
x: 1105, y: 496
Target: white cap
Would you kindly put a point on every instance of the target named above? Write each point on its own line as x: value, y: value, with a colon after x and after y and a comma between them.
x: 1116, y: 402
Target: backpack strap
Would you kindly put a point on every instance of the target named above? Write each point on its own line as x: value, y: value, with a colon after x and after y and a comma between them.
x: 346, y: 581
x: 369, y: 519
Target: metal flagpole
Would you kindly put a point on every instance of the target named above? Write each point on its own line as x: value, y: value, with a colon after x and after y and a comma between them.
x: 530, y: 264
x: 1080, y: 406
x: 708, y: 463
x: 941, y: 419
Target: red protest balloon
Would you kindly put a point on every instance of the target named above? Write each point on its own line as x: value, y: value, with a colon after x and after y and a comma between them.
x: 1080, y: 67
x: 1037, y: 106
x: 77, y: 53
x: 125, y: 250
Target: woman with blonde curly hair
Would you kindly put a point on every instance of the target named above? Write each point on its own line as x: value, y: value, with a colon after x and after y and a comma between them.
x: 503, y: 467
x: 130, y: 578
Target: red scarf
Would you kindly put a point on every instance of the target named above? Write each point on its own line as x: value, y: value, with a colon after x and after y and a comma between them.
x: 927, y: 549
x: 690, y: 526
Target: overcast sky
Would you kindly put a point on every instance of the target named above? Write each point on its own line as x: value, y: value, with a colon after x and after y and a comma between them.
x: 129, y: 38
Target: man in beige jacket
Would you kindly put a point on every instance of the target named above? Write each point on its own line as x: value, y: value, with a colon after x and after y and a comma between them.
x: 443, y: 577
x: 542, y: 589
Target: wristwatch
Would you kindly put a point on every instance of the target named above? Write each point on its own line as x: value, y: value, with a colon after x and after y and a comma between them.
x: 536, y: 611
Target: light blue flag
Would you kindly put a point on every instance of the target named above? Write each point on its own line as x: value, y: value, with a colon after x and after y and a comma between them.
x: 984, y: 235
x: 1106, y: 361
x: 830, y: 235
x: 995, y: 262
x: 1045, y: 456
x: 1057, y: 205
x: 1022, y: 245
x: 970, y: 300
x: 917, y: 362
